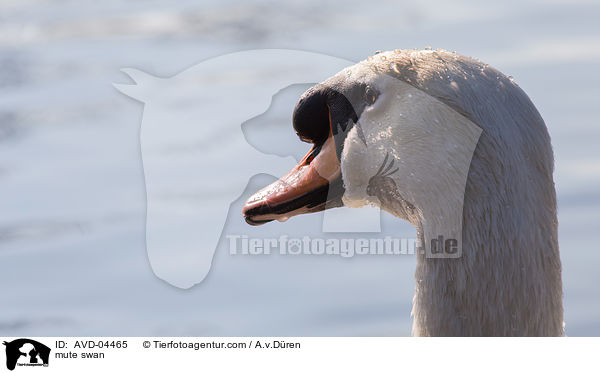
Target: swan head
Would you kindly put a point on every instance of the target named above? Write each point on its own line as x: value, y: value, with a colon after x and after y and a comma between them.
x: 390, y: 131
x: 437, y: 138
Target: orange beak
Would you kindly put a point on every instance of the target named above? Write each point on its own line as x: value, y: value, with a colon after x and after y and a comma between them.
x: 313, y: 185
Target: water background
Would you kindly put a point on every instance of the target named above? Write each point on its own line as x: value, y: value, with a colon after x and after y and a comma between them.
x: 72, y: 199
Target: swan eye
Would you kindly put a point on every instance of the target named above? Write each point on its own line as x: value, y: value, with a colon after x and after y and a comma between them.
x: 370, y: 95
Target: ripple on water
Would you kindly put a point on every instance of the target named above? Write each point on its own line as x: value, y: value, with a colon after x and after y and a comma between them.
x: 14, y: 70
x: 40, y: 230
x: 8, y: 125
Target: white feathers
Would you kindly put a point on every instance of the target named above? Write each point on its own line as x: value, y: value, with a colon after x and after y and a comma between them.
x: 479, y: 141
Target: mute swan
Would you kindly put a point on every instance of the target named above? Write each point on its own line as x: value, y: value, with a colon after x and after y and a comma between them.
x: 378, y: 142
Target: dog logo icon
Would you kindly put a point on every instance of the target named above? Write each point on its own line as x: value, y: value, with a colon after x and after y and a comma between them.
x: 26, y: 352
x: 196, y: 158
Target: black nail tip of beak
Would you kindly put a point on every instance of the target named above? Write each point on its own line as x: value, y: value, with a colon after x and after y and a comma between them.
x: 250, y: 221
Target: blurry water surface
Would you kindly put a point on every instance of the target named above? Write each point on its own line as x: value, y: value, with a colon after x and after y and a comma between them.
x: 72, y: 207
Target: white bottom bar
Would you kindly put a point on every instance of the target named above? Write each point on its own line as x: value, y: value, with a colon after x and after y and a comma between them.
x: 267, y: 354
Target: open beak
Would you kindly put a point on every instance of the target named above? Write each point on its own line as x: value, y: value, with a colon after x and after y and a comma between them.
x: 315, y: 184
